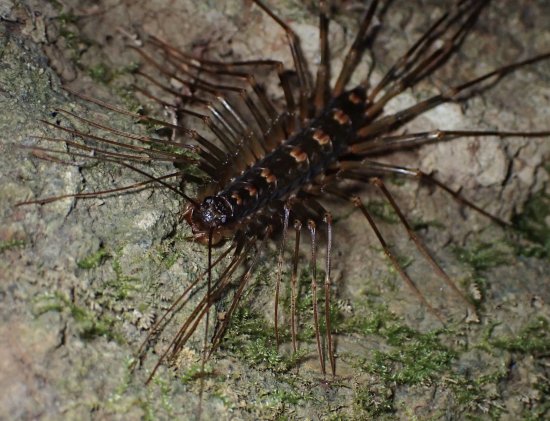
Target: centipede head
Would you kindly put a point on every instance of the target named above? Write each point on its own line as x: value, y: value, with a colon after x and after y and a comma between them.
x: 213, y: 214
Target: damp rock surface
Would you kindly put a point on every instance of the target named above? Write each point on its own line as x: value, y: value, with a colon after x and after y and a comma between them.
x: 83, y: 281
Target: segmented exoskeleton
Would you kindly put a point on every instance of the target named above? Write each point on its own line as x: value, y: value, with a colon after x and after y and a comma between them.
x: 269, y: 170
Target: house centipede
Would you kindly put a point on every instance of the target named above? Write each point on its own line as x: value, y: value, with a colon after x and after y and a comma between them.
x: 298, y: 156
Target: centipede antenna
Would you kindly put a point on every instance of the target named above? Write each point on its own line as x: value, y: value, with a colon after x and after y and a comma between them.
x: 206, y: 323
x: 89, y: 195
x: 190, y: 324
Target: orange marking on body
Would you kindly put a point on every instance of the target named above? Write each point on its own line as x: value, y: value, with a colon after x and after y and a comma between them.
x: 341, y: 117
x: 252, y: 191
x: 321, y: 137
x: 354, y: 98
x: 298, y: 154
x: 237, y: 198
x: 269, y: 177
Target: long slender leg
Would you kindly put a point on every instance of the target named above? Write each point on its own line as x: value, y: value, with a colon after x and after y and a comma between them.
x: 328, y: 283
x: 313, y: 268
x: 229, y: 66
x: 280, y: 271
x: 294, y: 284
x: 323, y: 71
x: 422, y: 248
x: 428, y: 64
x: 354, y: 53
x: 216, y: 340
x: 400, y: 118
x: 411, y: 140
x: 193, y: 134
x: 376, y: 168
x: 300, y: 63
x: 395, y: 263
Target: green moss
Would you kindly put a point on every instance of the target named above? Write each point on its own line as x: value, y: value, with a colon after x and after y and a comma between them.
x: 93, y: 260
x: 482, y: 256
x: 540, y: 408
x: 368, y: 319
x: 122, y: 286
x: 250, y: 338
x: 375, y: 400
x: 10, y: 244
x: 88, y: 324
x: 165, y: 395
x: 534, y: 338
x: 383, y: 211
x: 101, y: 73
x: 533, y: 224
x: 195, y: 371
x: 416, y: 357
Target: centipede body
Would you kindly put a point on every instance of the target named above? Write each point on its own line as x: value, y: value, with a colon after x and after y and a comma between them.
x: 197, y: 249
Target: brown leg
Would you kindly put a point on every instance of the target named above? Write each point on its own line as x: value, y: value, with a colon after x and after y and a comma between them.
x: 354, y: 53
x: 328, y: 283
x: 395, y: 263
x: 300, y: 63
x: 280, y: 270
x: 472, y: 316
x: 294, y: 284
x: 412, y: 140
x: 323, y: 71
x: 313, y: 268
x: 398, y: 119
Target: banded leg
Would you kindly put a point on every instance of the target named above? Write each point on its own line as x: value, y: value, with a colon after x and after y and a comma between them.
x: 228, y: 68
